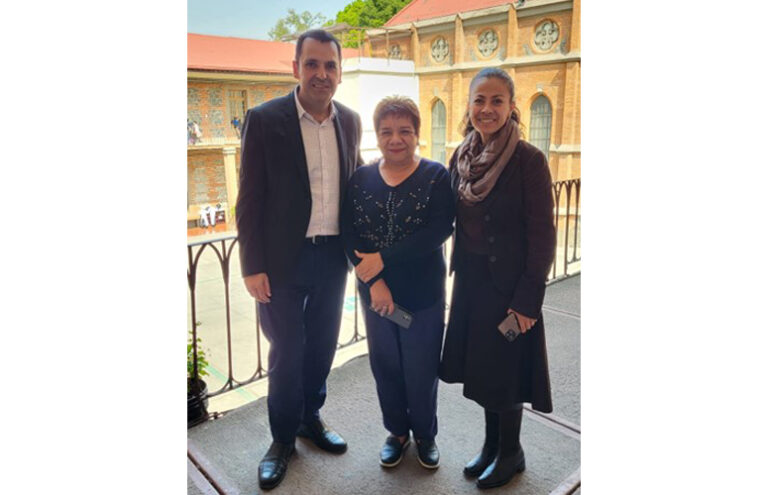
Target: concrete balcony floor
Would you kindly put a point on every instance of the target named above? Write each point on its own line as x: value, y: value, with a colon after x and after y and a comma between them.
x: 224, y: 453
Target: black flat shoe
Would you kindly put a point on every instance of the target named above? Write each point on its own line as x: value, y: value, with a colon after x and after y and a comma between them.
x: 323, y: 437
x: 273, y: 466
x: 502, y: 470
x: 428, y: 455
x: 480, y: 462
x: 392, y: 451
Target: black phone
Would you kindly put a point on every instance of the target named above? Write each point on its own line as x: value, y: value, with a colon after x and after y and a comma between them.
x: 510, y: 327
x: 400, y: 317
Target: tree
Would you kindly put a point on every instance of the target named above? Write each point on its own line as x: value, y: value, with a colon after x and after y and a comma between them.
x: 376, y: 12
x: 367, y: 13
x: 295, y: 23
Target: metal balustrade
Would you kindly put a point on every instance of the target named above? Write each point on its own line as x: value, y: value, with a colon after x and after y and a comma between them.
x: 566, y: 264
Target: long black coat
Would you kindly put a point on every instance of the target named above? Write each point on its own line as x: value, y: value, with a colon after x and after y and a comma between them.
x: 519, y: 227
x: 275, y: 202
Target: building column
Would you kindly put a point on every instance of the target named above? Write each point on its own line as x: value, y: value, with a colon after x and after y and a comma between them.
x: 415, y: 46
x: 571, y: 115
x: 455, y: 112
x: 230, y: 176
x: 576, y: 26
x: 364, y: 45
x: 512, y: 32
x: 458, y: 41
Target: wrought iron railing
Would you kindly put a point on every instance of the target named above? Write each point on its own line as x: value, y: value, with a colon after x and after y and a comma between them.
x: 223, y: 246
x: 567, y: 263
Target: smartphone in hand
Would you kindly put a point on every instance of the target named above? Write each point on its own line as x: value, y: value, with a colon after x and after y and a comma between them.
x: 400, y: 317
x: 510, y: 327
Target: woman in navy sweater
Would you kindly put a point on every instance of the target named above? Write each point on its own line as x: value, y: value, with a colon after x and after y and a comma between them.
x: 397, y: 214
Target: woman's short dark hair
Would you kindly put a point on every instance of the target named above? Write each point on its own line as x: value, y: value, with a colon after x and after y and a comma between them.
x: 320, y: 35
x: 400, y: 106
x: 487, y: 73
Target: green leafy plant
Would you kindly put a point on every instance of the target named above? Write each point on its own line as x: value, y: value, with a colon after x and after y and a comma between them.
x: 202, y: 361
x: 366, y: 14
x: 295, y: 22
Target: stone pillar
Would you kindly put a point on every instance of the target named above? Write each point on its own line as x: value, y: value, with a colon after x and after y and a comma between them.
x: 456, y: 110
x: 512, y: 32
x: 576, y: 26
x: 364, y: 45
x: 415, y: 46
x: 571, y: 115
x: 458, y: 41
x: 230, y: 176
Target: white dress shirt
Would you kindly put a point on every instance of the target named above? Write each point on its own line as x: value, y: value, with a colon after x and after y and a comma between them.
x: 322, y: 153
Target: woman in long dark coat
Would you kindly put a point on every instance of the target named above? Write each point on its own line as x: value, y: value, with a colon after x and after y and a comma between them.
x: 503, y: 250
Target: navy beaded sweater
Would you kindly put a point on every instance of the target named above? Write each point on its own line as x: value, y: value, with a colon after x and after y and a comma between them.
x: 407, y: 224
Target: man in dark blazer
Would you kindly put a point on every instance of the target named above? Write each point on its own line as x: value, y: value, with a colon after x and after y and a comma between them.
x: 298, y: 151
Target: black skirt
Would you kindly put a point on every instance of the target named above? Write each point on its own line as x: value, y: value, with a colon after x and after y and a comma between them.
x: 496, y: 374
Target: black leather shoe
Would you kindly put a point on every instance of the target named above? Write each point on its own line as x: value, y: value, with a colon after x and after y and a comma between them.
x: 273, y: 466
x: 502, y: 470
x: 429, y: 456
x: 480, y: 462
x: 323, y: 437
x: 392, y: 451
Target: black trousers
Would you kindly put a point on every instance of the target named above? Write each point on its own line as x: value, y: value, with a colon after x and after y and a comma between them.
x: 301, y: 324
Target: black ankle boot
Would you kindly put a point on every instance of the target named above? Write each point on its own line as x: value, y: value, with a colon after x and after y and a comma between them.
x: 510, y: 459
x: 481, y: 461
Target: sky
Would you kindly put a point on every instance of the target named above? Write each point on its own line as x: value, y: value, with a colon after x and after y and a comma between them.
x: 250, y: 18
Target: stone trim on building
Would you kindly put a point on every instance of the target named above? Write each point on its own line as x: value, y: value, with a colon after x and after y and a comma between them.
x: 546, y: 35
x: 395, y: 52
x: 215, y: 76
x: 482, y: 18
x: 488, y: 43
x: 510, y: 62
x: 543, y: 7
x: 565, y: 148
x: 440, y: 50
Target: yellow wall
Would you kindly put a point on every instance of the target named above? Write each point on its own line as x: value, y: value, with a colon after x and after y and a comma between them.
x: 559, y: 81
x: 379, y: 50
x: 208, y: 103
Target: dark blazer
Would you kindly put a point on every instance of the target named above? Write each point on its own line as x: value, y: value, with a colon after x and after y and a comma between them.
x: 519, y: 226
x: 275, y: 202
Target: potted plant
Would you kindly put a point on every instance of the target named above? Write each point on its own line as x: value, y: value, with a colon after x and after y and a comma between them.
x: 197, y: 389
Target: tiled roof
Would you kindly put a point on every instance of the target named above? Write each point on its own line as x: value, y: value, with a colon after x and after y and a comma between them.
x: 220, y: 53
x: 419, y: 10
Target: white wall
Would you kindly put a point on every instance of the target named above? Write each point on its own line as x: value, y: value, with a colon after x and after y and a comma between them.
x: 365, y: 81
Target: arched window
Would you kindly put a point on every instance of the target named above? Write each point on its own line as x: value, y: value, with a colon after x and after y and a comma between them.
x: 438, y: 132
x: 541, y: 124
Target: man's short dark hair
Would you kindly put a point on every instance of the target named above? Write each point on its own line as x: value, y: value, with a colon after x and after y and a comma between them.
x: 320, y: 35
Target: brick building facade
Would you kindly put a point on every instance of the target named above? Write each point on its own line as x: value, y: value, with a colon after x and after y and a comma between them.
x: 225, y: 77
x: 536, y: 41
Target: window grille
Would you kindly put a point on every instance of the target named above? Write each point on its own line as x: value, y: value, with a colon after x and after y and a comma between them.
x: 438, y: 132
x: 541, y: 124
